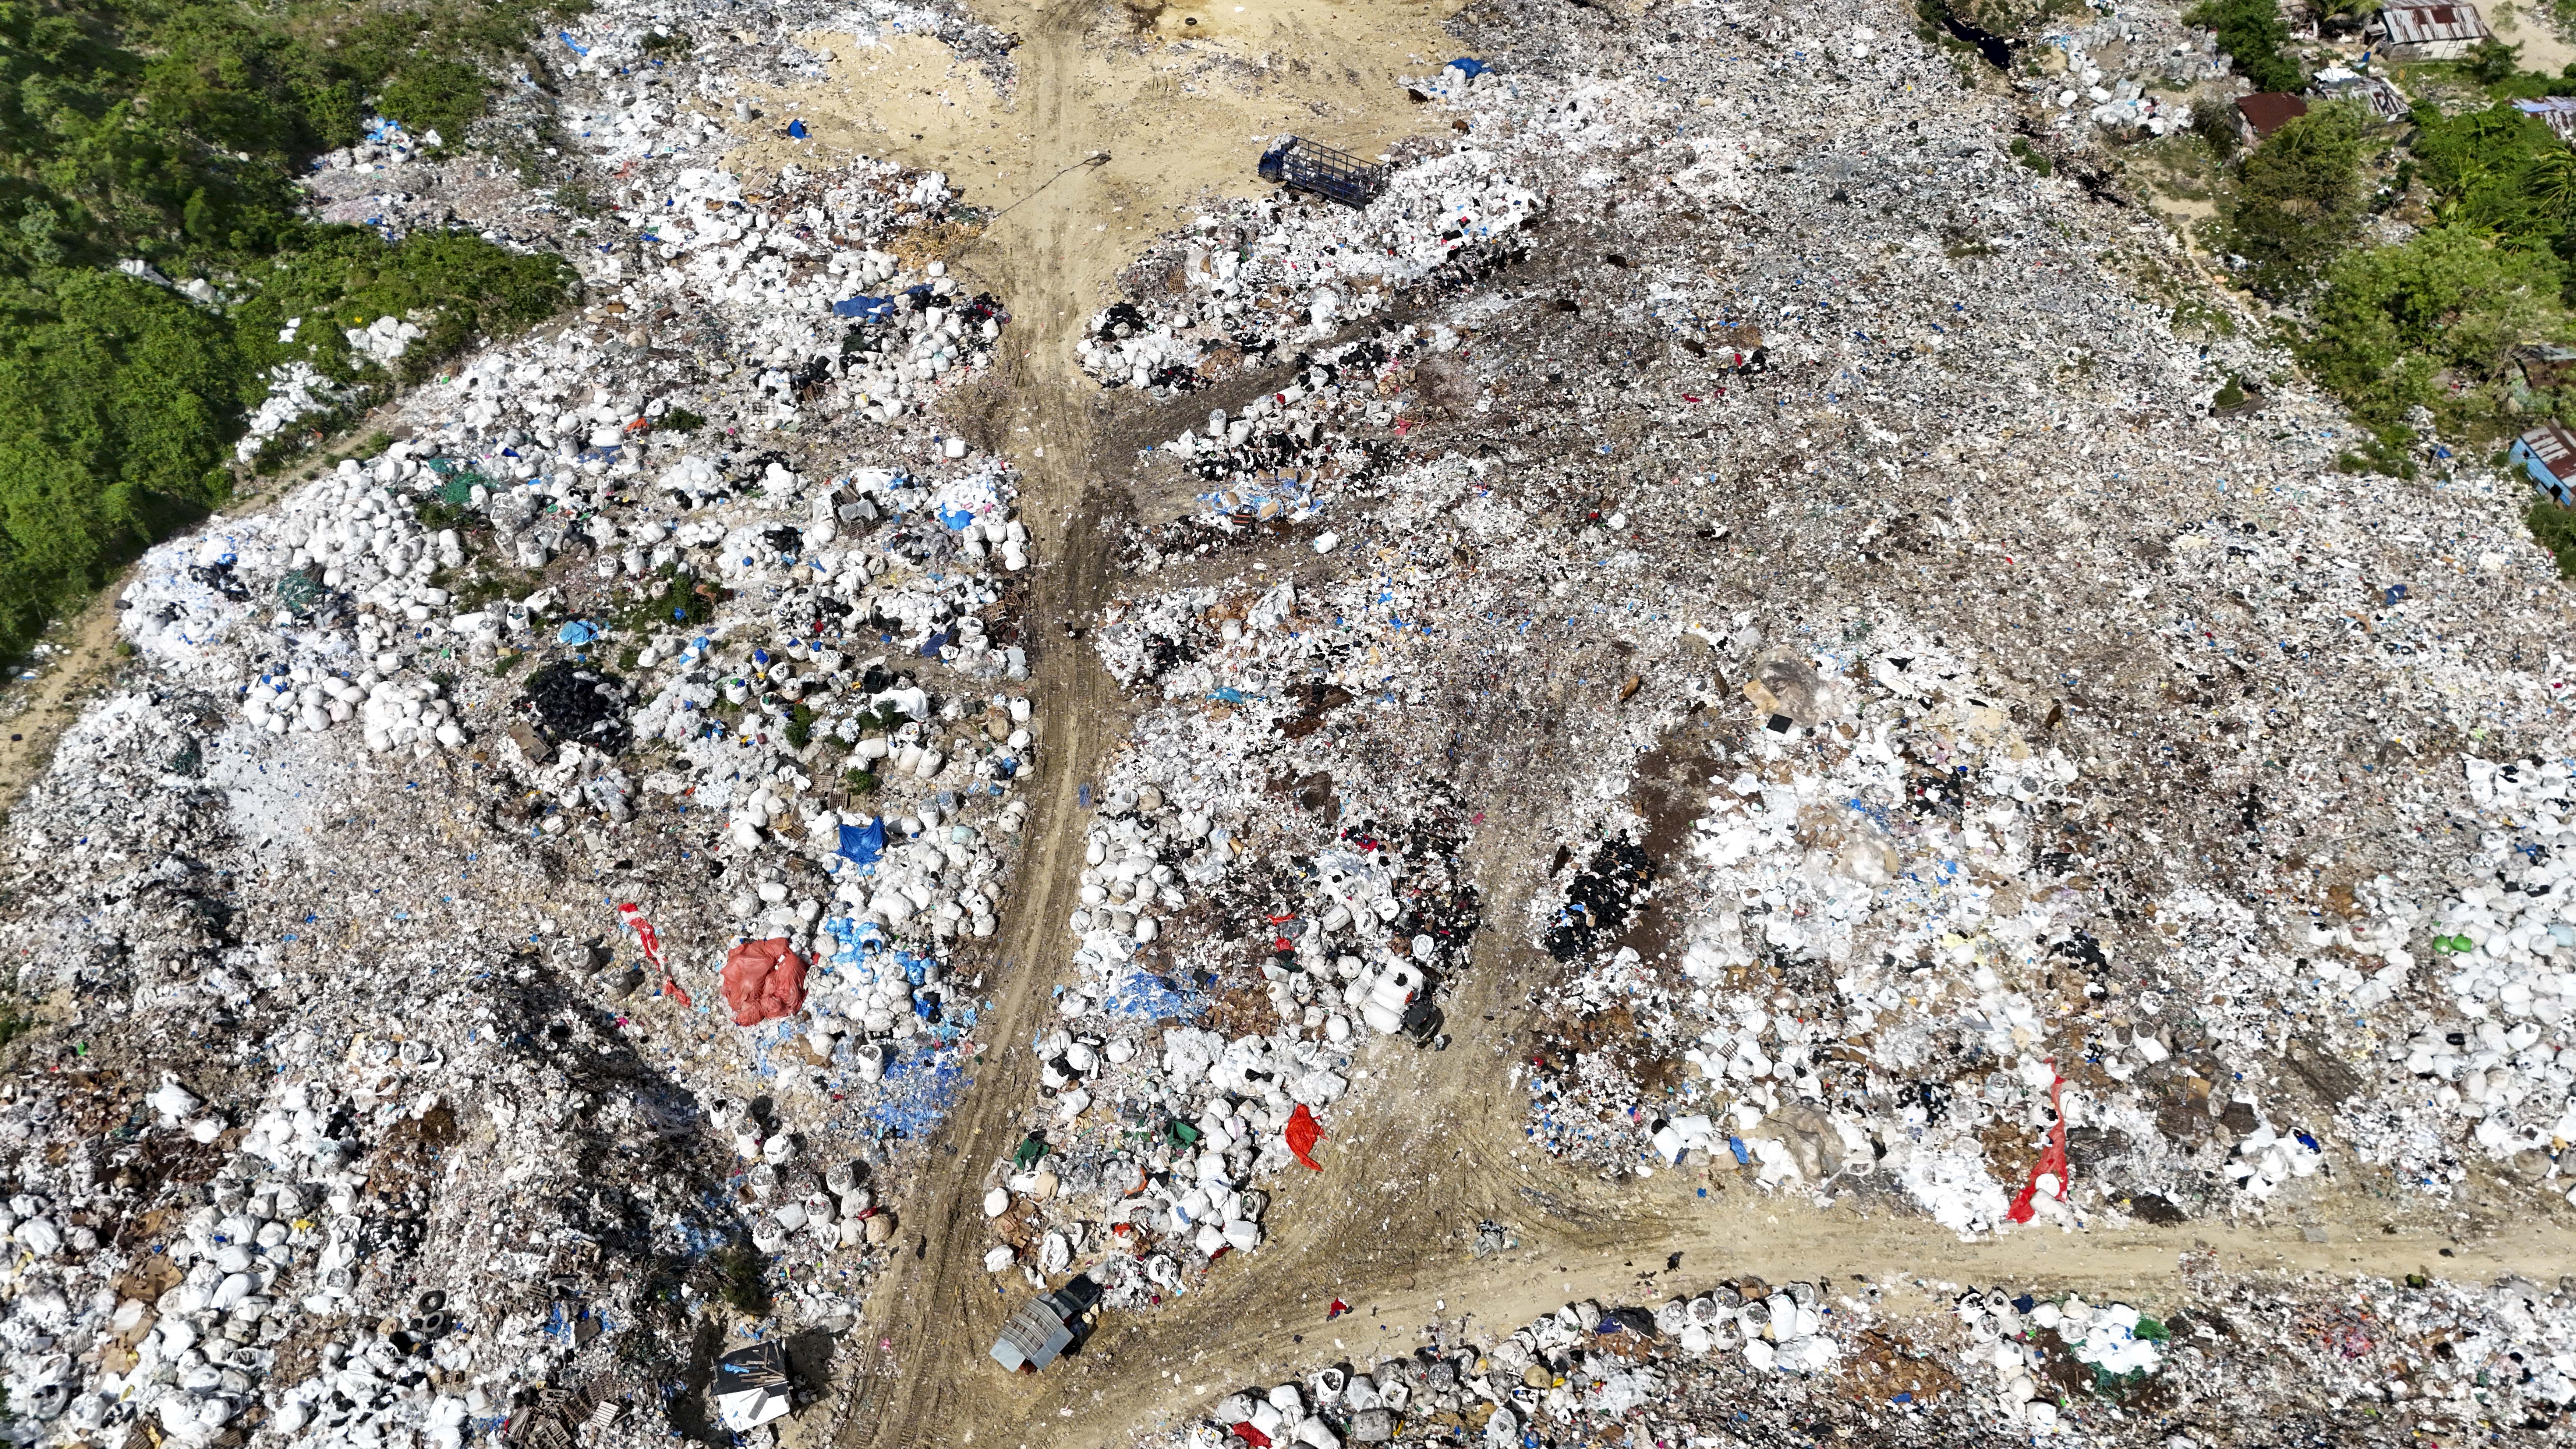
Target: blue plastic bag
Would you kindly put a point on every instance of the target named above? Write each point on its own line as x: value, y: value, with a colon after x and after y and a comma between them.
x: 863, y: 844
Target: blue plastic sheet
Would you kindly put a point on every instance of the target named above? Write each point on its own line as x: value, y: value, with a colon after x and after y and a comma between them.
x: 1149, y: 997
x: 863, y: 844
x: 919, y: 1090
x: 1470, y: 67
x: 576, y: 632
x: 866, y: 309
x: 796, y: 129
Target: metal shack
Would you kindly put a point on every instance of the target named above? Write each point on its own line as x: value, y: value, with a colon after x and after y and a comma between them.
x: 2264, y: 112
x: 1041, y: 1329
x: 2430, y: 32
x: 2548, y: 454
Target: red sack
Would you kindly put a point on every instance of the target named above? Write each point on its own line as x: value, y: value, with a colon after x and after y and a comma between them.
x: 1302, y: 1136
x: 763, y: 981
x: 2052, y: 1158
x: 1251, y: 1435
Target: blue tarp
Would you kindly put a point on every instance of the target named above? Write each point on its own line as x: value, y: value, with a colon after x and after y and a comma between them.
x: 863, y: 844
x: 576, y: 632
x: 796, y: 129
x: 1470, y: 67
x: 866, y: 309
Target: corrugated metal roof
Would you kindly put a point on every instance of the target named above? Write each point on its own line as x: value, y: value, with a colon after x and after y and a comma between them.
x: 2558, y: 113
x: 2555, y: 447
x: 2420, y: 24
x: 2269, y: 111
x: 1031, y: 1337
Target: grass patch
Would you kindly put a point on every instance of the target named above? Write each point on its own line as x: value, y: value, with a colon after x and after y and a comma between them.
x: 680, y: 600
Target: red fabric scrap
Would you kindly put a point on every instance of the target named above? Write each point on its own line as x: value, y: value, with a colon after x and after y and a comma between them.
x: 763, y: 981
x: 1252, y: 1436
x: 633, y: 916
x: 2052, y: 1158
x: 1303, y: 1134
x: 1337, y: 1310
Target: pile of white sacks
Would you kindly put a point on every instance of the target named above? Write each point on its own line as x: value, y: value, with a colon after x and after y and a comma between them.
x: 2505, y: 948
x: 2107, y: 1337
x: 278, y: 1241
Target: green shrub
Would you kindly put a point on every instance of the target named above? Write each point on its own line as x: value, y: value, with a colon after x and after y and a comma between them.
x: 2214, y: 122
x: 2554, y: 528
x: 174, y: 131
x: 2492, y: 62
x: 2252, y: 32
x: 2432, y: 323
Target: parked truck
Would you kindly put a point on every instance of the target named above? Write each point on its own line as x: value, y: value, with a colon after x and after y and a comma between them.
x: 1044, y: 1327
x: 1303, y: 165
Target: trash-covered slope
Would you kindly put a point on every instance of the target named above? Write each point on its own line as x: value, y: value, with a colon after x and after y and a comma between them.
x: 1742, y: 641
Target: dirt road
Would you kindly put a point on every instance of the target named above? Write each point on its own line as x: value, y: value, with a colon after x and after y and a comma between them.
x: 1438, y: 1142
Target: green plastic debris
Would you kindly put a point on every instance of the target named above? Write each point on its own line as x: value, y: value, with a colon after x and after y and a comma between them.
x: 299, y: 590
x: 1180, y: 1133
x: 1032, y: 1148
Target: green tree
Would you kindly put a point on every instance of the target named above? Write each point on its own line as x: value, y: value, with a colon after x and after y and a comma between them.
x: 2493, y: 61
x: 174, y: 131
x: 2432, y: 324
x: 2297, y: 199
x: 2252, y: 32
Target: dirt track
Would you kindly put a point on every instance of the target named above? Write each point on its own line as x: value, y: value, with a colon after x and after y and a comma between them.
x: 1386, y: 1226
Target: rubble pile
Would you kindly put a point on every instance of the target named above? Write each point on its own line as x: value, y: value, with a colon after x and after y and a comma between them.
x: 537, y: 879
x: 1261, y: 274
x: 569, y: 634
x: 1733, y: 1364
x: 1244, y: 874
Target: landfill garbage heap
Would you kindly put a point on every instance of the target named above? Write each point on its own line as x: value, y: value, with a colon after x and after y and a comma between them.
x: 1710, y: 613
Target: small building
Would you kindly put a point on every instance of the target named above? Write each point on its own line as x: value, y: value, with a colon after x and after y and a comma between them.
x: 2546, y: 367
x: 2430, y: 32
x: 2264, y: 112
x: 751, y: 1386
x: 2558, y: 113
x: 2548, y: 454
x: 1040, y: 1330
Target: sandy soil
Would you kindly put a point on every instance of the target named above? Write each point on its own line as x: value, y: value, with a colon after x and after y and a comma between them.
x: 34, y: 712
